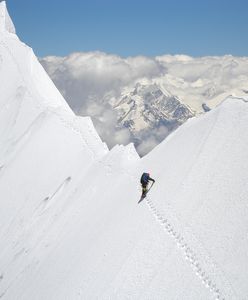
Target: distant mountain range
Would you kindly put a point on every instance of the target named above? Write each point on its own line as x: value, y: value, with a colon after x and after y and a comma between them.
x: 140, y: 99
x: 146, y: 108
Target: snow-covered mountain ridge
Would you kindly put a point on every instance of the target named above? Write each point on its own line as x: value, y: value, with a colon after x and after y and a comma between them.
x: 6, y: 23
x: 70, y: 223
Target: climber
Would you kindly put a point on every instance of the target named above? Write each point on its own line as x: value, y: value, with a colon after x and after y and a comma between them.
x: 144, y: 180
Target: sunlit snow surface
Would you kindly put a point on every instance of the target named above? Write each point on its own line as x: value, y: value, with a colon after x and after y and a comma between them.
x: 70, y: 223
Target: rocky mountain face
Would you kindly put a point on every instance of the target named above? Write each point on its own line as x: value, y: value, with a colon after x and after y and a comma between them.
x: 148, y: 108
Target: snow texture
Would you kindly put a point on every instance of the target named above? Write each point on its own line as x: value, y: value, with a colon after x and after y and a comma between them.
x: 70, y: 223
x: 6, y: 23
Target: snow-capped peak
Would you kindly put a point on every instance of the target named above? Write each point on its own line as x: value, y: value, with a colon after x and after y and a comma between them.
x: 6, y: 23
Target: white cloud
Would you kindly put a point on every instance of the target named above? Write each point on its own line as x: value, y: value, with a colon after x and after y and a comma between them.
x: 85, y: 78
x: 149, y: 139
x: 83, y: 75
x: 105, y: 121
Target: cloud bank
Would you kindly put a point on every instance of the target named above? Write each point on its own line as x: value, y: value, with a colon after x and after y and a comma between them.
x: 81, y: 76
x: 86, y: 80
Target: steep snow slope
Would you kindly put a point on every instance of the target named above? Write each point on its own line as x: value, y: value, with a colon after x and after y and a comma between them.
x: 5, y: 20
x: 71, y: 226
x: 204, y: 192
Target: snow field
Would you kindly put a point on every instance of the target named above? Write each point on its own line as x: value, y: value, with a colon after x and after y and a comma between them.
x: 70, y: 223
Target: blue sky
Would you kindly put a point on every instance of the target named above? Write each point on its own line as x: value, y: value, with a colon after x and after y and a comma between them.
x: 133, y: 27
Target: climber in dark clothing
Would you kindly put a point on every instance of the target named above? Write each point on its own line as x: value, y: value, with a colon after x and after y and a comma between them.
x: 144, y: 180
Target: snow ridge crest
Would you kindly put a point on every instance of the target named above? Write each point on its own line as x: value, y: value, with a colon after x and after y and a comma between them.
x: 6, y: 23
